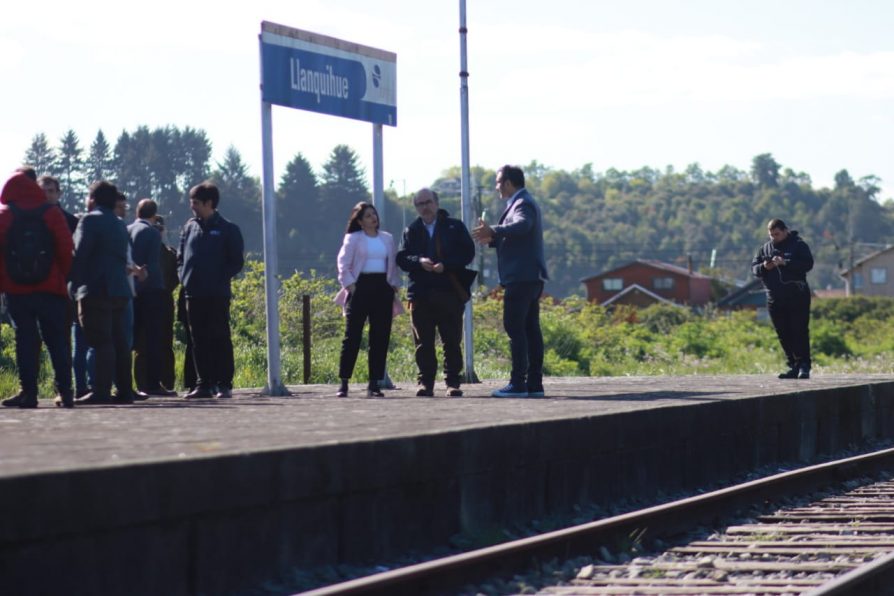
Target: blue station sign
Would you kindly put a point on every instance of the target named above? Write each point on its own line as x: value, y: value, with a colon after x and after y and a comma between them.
x: 314, y: 72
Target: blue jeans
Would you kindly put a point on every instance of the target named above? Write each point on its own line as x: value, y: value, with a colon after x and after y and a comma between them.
x: 521, y: 320
x: 46, y: 314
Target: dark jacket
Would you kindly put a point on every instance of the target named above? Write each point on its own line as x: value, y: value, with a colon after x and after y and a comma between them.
x: 788, y: 279
x: 456, y: 251
x: 518, y: 238
x: 210, y: 255
x: 70, y: 219
x: 146, y: 242
x: 24, y: 193
x: 100, y: 256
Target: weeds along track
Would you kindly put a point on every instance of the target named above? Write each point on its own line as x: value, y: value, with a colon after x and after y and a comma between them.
x: 822, y: 530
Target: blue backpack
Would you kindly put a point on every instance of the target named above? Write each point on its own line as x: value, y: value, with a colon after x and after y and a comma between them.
x: 30, y: 246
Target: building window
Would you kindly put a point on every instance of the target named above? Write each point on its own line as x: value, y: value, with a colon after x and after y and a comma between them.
x: 858, y: 280
x: 612, y: 284
x: 663, y: 283
x: 879, y: 275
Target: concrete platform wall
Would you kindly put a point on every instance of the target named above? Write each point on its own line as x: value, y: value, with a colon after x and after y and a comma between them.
x: 226, y: 524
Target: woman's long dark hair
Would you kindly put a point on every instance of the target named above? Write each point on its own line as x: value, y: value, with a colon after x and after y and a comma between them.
x: 357, y: 214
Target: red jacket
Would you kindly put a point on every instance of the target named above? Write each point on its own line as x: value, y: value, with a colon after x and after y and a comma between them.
x: 24, y: 193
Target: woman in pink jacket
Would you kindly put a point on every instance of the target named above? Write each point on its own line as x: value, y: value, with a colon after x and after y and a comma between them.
x: 369, y: 280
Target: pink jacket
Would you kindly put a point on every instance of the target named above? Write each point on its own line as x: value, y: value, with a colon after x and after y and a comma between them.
x: 351, y: 258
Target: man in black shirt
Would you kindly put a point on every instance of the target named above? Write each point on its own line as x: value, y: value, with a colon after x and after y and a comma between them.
x: 210, y: 255
x: 782, y: 265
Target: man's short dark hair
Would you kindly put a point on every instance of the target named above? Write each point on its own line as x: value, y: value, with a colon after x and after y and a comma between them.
x: 28, y: 171
x: 104, y: 194
x: 46, y: 178
x: 514, y: 175
x: 146, y: 208
x: 776, y: 224
x: 204, y: 192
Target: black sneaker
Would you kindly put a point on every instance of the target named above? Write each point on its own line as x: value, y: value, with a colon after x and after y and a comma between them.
x: 22, y: 400
x: 804, y: 373
x: 454, y: 392
x: 791, y: 373
x: 511, y: 390
x: 425, y: 391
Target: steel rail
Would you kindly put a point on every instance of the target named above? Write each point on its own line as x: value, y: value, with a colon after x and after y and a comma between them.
x: 449, y: 575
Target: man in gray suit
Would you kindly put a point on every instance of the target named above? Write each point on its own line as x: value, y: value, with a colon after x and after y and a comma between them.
x: 518, y: 238
x: 99, y: 284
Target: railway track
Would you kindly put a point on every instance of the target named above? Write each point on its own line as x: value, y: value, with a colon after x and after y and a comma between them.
x: 838, y: 542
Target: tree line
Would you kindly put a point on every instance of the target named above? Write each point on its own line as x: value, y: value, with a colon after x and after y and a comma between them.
x: 594, y: 220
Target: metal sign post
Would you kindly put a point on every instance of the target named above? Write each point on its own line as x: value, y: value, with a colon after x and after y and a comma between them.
x: 468, y: 217
x: 309, y: 71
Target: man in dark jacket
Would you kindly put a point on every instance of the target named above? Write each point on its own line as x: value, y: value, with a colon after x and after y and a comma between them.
x: 435, y: 251
x: 518, y: 238
x: 210, y: 255
x: 38, y: 303
x: 782, y: 265
x: 99, y: 284
x: 149, y: 302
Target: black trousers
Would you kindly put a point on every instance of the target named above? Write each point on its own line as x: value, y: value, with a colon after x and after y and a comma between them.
x: 148, y: 319
x: 189, y: 365
x: 372, y: 299
x: 103, y: 321
x: 50, y: 315
x: 212, y: 344
x: 441, y: 311
x: 791, y: 318
x: 521, y: 320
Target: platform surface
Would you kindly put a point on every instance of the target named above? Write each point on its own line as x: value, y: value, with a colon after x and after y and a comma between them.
x: 51, y: 439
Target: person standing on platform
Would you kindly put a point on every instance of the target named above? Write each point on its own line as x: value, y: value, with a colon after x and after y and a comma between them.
x: 211, y: 254
x: 435, y: 252
x: 36, y: 246
x: 367, y: 272
x: 99, y: 284
x: 168, y: 261
x: 148, y: 304
x: 518, y: 238
x: 782, y: 265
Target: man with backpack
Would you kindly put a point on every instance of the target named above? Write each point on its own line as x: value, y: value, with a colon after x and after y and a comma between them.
x: 36, y: 249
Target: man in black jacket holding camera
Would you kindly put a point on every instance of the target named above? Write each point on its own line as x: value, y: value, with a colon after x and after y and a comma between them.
x: 782, y: 265
x: 435, y: 251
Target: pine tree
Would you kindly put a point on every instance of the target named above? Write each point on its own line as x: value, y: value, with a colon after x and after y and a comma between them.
x: 240, y: 198
x: 70, y: 168
x: 40, y: 155
x: 98, y: 165
x: 301, y: 226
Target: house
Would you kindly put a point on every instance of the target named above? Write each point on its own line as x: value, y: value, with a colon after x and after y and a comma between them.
x: 869, y: 275
x: 655, y: 281
x: 751, y: 296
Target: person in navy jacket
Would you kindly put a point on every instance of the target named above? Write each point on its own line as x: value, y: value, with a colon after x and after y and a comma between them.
x: 518, y: 238
x: 211, y: 254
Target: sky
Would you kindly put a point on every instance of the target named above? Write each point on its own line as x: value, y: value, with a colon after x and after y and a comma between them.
x: 614, y: 83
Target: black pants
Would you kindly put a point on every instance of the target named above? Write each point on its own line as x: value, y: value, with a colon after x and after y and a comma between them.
x: 189, y: 364
x: 372, y: 299
x: 50, y: 313
x: 103, y: 321
x: 441, y: 311
x: 209, y: 325
x: 521, y: 320
x: 791, y: 318
x: 148, y: 315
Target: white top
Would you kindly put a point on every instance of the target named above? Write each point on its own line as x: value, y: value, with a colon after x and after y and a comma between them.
x: 376, y: 255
